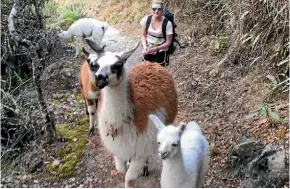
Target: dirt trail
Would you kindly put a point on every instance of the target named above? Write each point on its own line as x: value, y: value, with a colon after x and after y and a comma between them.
x: 221, y: 105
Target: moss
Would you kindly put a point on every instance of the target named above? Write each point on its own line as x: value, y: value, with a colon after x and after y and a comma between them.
x: 73, y: 150
x: 55, y: 102
x: 79, y: 97
x: 79, y: 100
x: 69, y: 115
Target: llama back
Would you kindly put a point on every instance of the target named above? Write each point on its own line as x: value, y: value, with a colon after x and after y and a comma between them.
x: 148, y: 96
x: 194, y: 147
x: 85, y: 26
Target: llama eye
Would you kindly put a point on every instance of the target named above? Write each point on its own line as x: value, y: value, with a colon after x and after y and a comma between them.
x: 117, y: 67
x: 94, y: 67
x: 174, y: 144
x: 158, y: 143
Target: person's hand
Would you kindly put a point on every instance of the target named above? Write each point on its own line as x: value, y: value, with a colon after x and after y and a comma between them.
x: 152, y: 50
x: 144, y: 52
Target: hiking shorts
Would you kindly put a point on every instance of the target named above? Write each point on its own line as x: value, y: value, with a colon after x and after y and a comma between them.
x: 161, y: 58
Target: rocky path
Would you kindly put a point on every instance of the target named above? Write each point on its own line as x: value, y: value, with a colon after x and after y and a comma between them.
x: 223, y: 104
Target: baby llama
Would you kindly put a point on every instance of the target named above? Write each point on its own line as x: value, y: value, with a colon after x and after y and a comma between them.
x: 127, y: 98
x: 184, y: 152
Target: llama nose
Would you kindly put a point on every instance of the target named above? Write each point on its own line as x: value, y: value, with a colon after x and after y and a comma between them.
x: 102, y: 81
x: 163, y: 155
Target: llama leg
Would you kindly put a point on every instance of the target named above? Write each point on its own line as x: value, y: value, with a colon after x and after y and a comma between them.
x: 134, y: 171
x: 145, y: 169
x: 92, y: 110
x: 120, y: 165
x: 78, y: 45
x: 202, y: 173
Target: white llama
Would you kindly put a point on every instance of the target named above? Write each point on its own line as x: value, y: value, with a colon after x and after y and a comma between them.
x: 184, y: 152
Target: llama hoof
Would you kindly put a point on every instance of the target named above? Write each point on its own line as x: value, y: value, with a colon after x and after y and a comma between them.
x: 92, y: 131
x: 145, y: 171
x: 129, y: 184
x: 121, y: 169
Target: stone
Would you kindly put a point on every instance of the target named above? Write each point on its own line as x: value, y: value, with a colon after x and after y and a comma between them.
x: 270, y: 169
x: 56, y: 162
x: 248, y: 150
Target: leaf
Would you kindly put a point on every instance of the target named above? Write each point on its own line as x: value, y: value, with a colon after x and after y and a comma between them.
x: 274, y: 115
x: 255, y: 60
x: 261, y: 106
x: 244, y: 14
x: 256, y: 39
x: 263, y: 113
x: 283, y: 62
x: 272, y: 79
x: 281, y: 134
x: 216, y: 45
x: 214, y: 72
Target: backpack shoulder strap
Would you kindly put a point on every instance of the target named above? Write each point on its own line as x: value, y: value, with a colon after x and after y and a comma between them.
x: 164, y: 24
x: 148, y: 22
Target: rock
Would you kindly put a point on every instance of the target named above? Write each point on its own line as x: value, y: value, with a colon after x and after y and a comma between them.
x: 72, y: 179
x: 269, y: 169
x: 56, y: 162
x: 81, y: 186
x: 248, y: 150
x: 252, y: 116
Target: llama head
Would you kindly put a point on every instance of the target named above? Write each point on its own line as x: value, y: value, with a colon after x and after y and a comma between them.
x: 107, y: 66
x: 168, y: 137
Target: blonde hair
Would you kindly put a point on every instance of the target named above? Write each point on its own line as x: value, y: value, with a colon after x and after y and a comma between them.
x: 157, y: 2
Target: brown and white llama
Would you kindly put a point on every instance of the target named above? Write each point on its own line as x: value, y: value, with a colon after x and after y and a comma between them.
x: 90, y: 92
x: 127, y: 97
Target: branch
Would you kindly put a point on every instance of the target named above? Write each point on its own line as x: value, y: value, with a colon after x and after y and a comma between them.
x: 11, y: 26
x: 11, y: 20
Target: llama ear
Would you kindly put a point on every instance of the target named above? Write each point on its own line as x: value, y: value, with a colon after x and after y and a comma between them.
x: 94, y: 46
x: 181, y: 127
x: 157, y: 122
x: 86, y: 52
x: 124, y: 55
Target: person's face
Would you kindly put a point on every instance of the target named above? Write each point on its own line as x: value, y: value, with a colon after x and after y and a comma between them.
x: 156, y: 10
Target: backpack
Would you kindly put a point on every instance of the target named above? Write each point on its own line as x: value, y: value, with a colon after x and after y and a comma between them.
x: 168, y: 17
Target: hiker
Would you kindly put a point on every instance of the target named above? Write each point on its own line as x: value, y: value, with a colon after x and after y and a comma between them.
x: 155, y: 44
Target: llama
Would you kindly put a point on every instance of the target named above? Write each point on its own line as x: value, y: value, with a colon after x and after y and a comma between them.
x: 184, y: 152
x: 85, y: 28
x: 127, y: 97
x: 88, y: 87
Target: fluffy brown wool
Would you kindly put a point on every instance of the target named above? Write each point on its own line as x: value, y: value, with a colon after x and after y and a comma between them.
x: 147, y: 95
x: 85, y: 83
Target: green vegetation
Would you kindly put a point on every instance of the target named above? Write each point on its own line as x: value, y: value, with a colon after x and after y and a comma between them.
x: 266, y: 112
x: 73, y: 150
x: 63, y: 16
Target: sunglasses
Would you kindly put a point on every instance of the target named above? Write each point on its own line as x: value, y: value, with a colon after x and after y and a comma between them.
x: 158, y: 9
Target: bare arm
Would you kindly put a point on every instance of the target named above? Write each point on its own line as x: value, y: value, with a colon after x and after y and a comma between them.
x: 163, y: 46
x: 144, y: 38
x: 167, y: 43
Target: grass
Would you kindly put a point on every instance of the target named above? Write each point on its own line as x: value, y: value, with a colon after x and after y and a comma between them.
x: 70, y: 14
x: 62, y: 15
x: 70, y: 155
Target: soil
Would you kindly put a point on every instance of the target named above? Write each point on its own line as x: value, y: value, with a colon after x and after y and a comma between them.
x: 224, y: 105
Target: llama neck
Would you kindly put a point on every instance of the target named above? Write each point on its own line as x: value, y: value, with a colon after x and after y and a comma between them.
x: 116, y: 102
x: 174, y: 164
x: 66, y: 34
